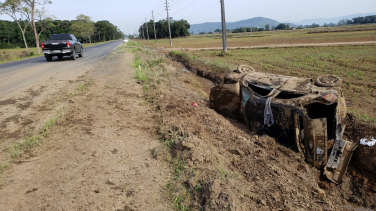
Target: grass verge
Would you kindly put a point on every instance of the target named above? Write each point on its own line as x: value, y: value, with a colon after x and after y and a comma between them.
x: 32, y: 141
x: 151, y: 72
x: 35, y: 139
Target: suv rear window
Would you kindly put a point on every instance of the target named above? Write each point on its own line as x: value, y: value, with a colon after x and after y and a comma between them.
x: 60, y: 37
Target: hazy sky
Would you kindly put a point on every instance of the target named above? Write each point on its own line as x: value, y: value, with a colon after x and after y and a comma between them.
x: 128, y: 14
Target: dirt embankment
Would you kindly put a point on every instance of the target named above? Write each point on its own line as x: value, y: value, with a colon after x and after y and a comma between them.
x: 255, y: 157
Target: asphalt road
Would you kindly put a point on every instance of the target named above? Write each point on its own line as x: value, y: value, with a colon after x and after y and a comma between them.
x: 25, y: 73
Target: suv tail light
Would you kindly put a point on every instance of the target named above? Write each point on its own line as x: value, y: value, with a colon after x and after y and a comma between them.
x: 68, y: 45
x: 42, y: 45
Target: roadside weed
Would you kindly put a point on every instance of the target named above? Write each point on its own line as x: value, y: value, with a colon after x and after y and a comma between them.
x: 178, y: 167
x: 137, y: 63
x: 3, y: 139
x: 3, y: 166
x: 30, y: 143
x: 82, y: 88
x: 222, y: 174
x: 141, y: 75
x: 15, y: 151
x: 50, y: 123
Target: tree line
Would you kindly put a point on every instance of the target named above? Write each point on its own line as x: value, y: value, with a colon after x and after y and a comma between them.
x: 179, y: 28
x: 11, y: 37
x: 354, y: 21
x: 31, y: 25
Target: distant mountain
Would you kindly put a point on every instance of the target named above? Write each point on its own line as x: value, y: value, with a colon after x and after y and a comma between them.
x: 322, y: 21
x: 258, y: 22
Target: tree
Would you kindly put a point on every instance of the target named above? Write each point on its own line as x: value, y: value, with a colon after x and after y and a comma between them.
x: 32, y: 10
x: 218, y: 31
x: 282, y: 26
x: 45, y: 21
x: 267, y: 27
x: 14, y: 7
x: 343, y: 22
x: 178, y: 28
x: 83, y: 27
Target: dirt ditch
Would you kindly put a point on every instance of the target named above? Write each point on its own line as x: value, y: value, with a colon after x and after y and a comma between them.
x: 359, y: 185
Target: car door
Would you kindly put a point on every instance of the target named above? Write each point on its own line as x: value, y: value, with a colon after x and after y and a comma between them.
x: 76, y: 44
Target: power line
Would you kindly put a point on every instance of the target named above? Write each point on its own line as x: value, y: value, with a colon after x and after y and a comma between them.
x: 176, y: 3
x: 201, y: 10
x: 158, y: 4
x: 187, y: 6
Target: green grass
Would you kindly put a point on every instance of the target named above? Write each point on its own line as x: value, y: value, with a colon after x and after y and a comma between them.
x: 81, y: 89
x: 31, y: 141
x: 3, y: 166
x: 28, y: 144
x: 11, y: 56
x: 50, y: 123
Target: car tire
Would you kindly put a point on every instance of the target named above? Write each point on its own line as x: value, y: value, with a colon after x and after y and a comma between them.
x: 74, y: 54
x: 243, y: 68
x: 48, y: 57
x: 59, y: 57
x: 328, y: 80
x: 81, y: 52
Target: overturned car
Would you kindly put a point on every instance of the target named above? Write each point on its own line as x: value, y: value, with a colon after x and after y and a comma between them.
x: 305, y: 115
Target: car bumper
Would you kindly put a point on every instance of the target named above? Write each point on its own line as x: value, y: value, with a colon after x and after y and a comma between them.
x: 57, y: 52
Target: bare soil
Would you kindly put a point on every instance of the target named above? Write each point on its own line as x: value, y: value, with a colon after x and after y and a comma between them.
x: 359, y: 182
x: 98, y: 156
x: 105, y: 152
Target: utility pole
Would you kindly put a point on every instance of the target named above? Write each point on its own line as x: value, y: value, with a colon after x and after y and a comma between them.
x: 155, y: 32
x: 143, y: 34
x: 224, y: 39
x: 147, y: 29
x: 168, y: 20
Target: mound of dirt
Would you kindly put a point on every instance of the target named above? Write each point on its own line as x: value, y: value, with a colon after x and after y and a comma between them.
x: 234, y: 169
x: 230, y: 168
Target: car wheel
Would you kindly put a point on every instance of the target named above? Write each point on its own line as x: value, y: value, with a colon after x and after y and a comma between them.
x: 59, y: 57
x: 48, y: 57
x: 81, y: 52
x: 243, y: 68
x: 74, y: 54
x: 328, y: 80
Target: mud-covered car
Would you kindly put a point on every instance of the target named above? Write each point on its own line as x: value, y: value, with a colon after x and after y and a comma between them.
x: 305, y: 115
